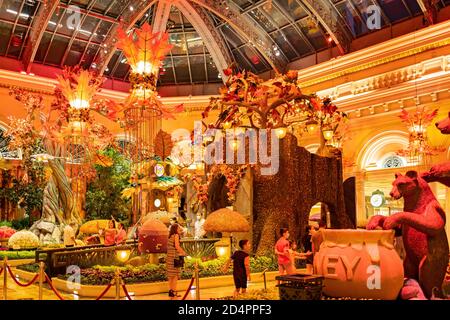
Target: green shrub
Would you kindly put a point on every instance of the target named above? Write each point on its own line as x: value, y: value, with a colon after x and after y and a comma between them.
x: 103, y: 195
x: 446, y: 287
x: 30, y: 267
x: 21, y: 224
x: 16, y: 255
x: 5, y: 224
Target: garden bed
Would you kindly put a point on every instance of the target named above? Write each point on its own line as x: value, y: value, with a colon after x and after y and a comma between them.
x: 102, y: 275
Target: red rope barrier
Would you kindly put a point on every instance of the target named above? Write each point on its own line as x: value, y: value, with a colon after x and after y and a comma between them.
x: 126, y: 292
x: 104, y: 291
x: 188, y: 289
x: 21, y: 284
x: 60, y: 297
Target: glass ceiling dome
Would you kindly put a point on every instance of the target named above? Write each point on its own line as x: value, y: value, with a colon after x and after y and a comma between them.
x: 208, y: 36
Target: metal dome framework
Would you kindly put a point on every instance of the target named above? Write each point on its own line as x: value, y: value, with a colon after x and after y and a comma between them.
x: 208, y: 35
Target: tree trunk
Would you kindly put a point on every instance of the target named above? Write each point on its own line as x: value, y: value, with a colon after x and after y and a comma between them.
x: 50, y: 207
x: 66, y: 195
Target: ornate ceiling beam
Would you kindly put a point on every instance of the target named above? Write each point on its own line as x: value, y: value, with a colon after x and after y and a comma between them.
x: 161, y: 16
x: 247, y: 29
x: 127, y: 21
x: 429, y: 10
x: 39, y: 25
x: 330, y: 19
x: 209, y: 34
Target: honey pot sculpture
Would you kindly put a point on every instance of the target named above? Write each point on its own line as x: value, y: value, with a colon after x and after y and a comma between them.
x: 359, y: 264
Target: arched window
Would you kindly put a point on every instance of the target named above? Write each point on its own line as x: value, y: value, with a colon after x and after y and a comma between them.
x: 393, y: 162
x: 380, y: 148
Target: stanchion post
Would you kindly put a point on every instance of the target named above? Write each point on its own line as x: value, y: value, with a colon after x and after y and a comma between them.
x: 197, y: 282
x: 265, y: 283
x: 5, y: 278
x: 41, y: 279
x: 117, y: 276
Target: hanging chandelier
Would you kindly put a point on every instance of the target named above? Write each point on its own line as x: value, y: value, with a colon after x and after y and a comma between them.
x: 75, y: 96
x: 417, y: 122
x: 142, y: 110
x: 76, y: 89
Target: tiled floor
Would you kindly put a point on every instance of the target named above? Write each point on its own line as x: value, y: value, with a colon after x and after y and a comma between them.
x: 16, y: 292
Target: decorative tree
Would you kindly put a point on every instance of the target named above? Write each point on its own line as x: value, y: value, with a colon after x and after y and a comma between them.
x: 63, y: 128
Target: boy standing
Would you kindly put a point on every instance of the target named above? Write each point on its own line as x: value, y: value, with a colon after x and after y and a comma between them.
x: 241, y: 267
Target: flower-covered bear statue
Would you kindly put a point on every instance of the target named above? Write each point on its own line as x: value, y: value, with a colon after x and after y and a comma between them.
x: 422, y: 223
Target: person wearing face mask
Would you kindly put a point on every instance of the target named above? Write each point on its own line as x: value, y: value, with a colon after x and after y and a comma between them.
x: 199, y: 232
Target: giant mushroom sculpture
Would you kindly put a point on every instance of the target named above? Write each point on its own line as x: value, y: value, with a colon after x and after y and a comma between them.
x: 153, y: 237
x: 225, y: 221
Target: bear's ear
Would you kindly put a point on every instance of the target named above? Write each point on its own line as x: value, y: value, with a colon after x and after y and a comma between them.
x: 398, y: 175
x: 412, y: 174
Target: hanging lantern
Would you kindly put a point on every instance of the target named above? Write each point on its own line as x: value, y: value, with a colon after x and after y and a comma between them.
x: 144, y: 51
x: 281, y: 132
x: 234, y: 144
x: 417, y: 122
x: 200, y: 166
x: 311, y: 126
x: 227, y: 125
x: 328, y: 134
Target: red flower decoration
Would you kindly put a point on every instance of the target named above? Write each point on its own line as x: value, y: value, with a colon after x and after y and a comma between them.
x: 228, y: 72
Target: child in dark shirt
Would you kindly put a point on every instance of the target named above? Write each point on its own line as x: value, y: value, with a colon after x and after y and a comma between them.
x: 241, y: 267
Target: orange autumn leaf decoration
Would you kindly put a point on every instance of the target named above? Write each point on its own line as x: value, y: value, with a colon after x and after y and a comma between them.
x: 163, y: 144
x: 144, y: 47
x: 80, y: 84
